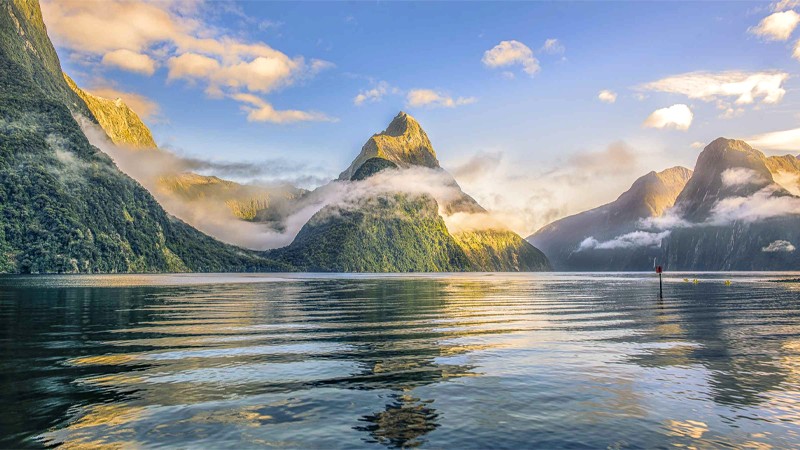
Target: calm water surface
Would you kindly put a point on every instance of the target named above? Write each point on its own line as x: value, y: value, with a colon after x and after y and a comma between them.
x: 445, y: 361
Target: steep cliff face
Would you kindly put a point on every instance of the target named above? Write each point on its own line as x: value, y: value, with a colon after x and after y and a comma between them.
x: 64, y: 205
x: 119, y: 122
x: 736, y: 217
x: 650, y: 196
x: 386, y: 230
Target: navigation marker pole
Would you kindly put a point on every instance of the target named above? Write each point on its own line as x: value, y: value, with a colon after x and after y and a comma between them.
x: 660, y: 283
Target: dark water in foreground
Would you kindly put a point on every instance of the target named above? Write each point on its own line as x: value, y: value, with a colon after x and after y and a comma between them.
x: 447, y: 361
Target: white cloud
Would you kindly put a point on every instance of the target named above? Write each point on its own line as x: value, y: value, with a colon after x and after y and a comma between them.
x: 553, y: 47
x: 140, y: 36
x: 796, y: 52
x: 607, y: 96
x: 508, y: 53
x: 697, y: 144
x: 630, y: 240
x: 428, y: 97
x: 677, y: 116
x: 746, y: 87
x: 786, y: 140
x: 777, y: 26
x: 375, y: 94
x: 764, y: 204
x: 741, y: 176
x: 785, y: 4
x: 779, y: 246
x: 130, y: 61
x: 259, y: 110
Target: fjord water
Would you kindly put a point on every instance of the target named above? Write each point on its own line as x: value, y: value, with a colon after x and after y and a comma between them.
x: 455, y: 361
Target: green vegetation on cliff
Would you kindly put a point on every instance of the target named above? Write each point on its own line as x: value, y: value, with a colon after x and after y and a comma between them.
x: 64, y: 206
x: 393, y: 233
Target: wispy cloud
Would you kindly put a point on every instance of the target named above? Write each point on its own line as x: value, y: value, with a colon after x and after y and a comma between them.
x: 745, y: 87
x: 678, y: 117
x: 510, y: 53
x: 784, y: 140
x: 553, y: 47
x: 259, y: 110
x: 428, y: 97
x: 629, y: 240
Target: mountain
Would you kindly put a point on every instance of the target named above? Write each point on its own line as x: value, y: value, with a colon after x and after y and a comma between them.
x: 738, y: 217
x: 738, y: 210
x: 182, y: 191
x: 403, y: 143
x: 119, y: 122
x: 385, y: 230
x: 650, y: 196
x: 64, y: 205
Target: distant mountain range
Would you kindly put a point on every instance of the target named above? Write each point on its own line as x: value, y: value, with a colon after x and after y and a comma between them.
x: 738, y: 210
x: 575, y: 242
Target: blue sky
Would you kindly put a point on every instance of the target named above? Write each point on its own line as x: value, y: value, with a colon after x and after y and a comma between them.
x: 527, y: 124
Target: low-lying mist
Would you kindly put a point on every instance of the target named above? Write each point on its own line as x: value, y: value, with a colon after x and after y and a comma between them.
x: 212, y: 214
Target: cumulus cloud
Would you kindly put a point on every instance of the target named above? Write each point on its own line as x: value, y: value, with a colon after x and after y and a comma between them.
x: 140, y: 36
x: 553, y: 47
x: 785, y: 140
x: 431, y: 98
x: 509, y: 53
x: 607, y: 96
x: 374, y: 94
x: 130, y: 61
x: 677, y: 116
x: 629, y: 240
x: 259, y: 110
x: 745, y: 87
x: 779, y: 246
x: 778, y: 26
x: 741, y: 176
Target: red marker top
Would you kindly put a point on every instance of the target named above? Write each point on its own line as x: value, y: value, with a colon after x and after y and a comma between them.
x: 659, y: 269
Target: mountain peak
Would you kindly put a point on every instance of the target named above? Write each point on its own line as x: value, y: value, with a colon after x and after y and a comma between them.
x: 120, y: 123
x: 707, y: 185
x: 403, y: 143
x: 402, y: 124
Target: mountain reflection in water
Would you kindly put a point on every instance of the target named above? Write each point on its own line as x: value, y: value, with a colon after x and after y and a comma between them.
x: 465, y: 360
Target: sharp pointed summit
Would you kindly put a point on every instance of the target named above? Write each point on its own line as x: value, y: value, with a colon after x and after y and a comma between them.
x: 403, y: 143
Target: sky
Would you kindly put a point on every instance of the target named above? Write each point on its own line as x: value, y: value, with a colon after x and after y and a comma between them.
x: 539, y: 109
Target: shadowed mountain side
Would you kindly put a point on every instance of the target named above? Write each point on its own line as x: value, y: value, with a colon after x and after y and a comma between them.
x: 649, y: 196
x: 740, y: 219
x: 64, y: 205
